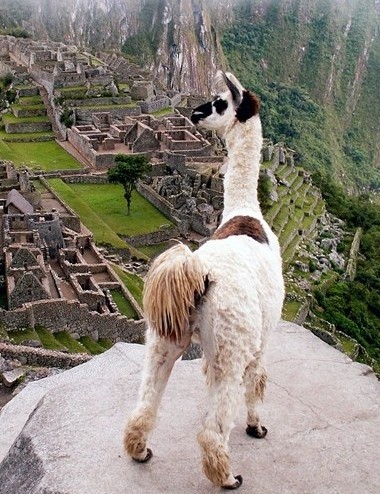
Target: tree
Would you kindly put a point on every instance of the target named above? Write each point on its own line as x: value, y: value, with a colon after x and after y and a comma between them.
x: 127, y: 171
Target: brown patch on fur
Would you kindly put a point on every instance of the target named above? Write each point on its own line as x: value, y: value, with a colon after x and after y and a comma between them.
x: 242, y: 225
x: 249, y: 107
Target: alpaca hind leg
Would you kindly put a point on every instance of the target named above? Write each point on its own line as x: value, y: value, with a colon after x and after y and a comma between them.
x: 160, y: 358
x: 213, y: 437
x: 255, y: 381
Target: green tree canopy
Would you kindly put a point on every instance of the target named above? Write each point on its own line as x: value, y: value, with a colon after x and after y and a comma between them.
x: 127, y: 171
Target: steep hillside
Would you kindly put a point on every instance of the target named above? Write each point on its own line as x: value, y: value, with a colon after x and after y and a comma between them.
x: 315, y: 63
x: 332, y: 51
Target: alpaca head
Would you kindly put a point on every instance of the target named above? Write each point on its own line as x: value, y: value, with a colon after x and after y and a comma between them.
x: 235, y: 104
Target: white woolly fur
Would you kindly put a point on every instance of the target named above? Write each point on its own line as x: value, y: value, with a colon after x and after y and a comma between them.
x: 241, y: 303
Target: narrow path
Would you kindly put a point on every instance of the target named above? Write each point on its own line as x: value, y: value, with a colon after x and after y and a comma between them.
x: 67, y: 146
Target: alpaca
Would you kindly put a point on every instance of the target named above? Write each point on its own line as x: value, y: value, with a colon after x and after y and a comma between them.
x: 226, y: 295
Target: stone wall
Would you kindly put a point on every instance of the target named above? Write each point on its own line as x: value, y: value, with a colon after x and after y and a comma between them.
x: 86, y: 179
x: 152, y: 106
x: 43, y: 77
x: 159, y: 202
x: 82, y: 144
x: 43, y: 358
x: 11, y: 127
x: 165, y: 233
x: 74, y: 317
x: 121, y: 100
x: 25, y: 112
x: 85, y: 115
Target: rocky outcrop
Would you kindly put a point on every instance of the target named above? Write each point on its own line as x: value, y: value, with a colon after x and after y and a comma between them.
x: 64, y: 434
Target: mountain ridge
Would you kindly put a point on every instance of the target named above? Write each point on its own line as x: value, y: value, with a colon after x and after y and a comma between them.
x: 324, y: 51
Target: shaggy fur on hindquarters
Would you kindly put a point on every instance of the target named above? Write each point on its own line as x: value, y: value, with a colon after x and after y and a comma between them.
x: 228, y: 294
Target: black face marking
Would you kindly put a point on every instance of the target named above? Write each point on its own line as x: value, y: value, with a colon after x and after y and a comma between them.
x: 201, y: 112
x: 220, y: 105
x: 249, y: 107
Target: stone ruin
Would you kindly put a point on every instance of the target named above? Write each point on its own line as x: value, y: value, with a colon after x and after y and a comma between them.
x: 107, y: 136
x: 47, y: 263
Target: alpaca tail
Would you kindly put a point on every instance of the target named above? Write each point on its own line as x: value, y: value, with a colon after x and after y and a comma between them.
x: 174, y: 282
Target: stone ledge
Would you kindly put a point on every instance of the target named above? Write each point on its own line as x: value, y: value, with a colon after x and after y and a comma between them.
x: 64, y: 433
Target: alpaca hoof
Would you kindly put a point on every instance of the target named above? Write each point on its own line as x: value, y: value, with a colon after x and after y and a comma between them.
x: 148, y: 456
x: 256, y: 432
x: 236, y: 485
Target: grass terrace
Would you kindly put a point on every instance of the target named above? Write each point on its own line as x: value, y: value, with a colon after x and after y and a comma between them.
x: 124, y: 305
x: 61, y: 341
x: 27, y: 136
x: 154, y: 250
x: 107, y: 203
x: 102, y: 232
x: 23, y: 106
x: 133, y: 282
x: 290, y: 309
x: 164, y: 111
x: 48, y: 156
x: 30, y: 100
x: 13, y: 119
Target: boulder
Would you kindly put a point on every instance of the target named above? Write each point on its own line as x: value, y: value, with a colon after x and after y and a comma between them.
x: 63, y: 434
x: 12, y: 377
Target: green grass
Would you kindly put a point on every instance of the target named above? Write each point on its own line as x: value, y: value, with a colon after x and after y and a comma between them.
x: 24, y: 86
x: 91, y: 218
x: 124, y: 305
x: 3, y: 333
x: 91, y: 345
x: 289, y: 251
x: 106, y: 343
x: 25, y: 136
x: 348, y: 345
x: 35, y: 106
x: 72, y: 345
x: 13, y: 119
x: 72, y: 88
x: 133, y: 282
x: 29, y: 100
x: 39, y: 186
x: 103, y: 233
x: 48, y: 340
x: 290, y: 309
x: 18, y: 337
x: 108, y: 203
x: 48, y: 156
x: 164, y: 111
x: 154, y: 249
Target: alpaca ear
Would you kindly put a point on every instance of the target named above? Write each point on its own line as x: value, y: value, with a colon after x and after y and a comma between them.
x: 249, y: 106
x: 234, y: 86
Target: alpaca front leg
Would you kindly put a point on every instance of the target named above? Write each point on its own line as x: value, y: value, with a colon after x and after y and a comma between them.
x: 255, y: 378
x: 214, y: 436
x: 160, y: 358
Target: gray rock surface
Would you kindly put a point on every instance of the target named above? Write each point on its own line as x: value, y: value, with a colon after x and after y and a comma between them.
x: 64, y: 434
x: 11, y: 377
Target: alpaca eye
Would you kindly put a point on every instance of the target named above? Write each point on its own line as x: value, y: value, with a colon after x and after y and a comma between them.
x: 220, y: 106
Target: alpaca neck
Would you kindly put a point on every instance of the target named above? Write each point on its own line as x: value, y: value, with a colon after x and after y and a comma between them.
x: 244, y: 142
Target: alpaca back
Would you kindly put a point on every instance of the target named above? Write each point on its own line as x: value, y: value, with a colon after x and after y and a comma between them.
x: 174, y: 281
